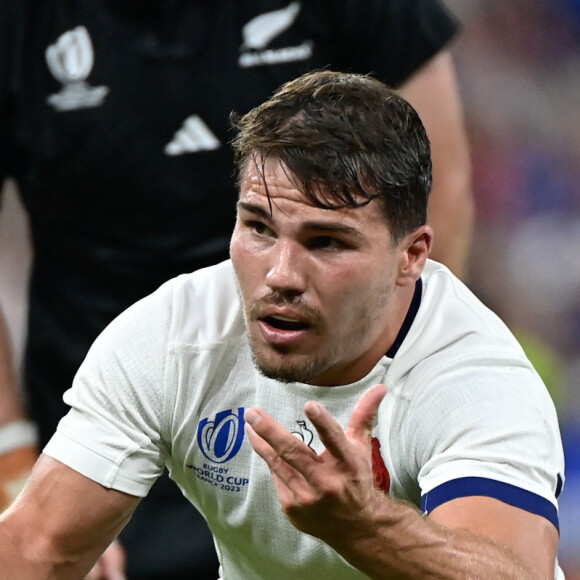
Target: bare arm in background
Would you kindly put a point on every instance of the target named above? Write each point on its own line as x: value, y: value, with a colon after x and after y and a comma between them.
x: 434, y: 93
x: 11, y: 407
x: 18, y: 450
x: 60, y: 524
x: 18, y: 453
x: 18, y: 444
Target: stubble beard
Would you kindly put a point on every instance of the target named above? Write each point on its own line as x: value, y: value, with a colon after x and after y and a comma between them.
x: 287, y: 371
x: 279, y: 362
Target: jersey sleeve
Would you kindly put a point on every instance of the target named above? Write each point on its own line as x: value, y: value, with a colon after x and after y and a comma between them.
x: 392, y: 39
x: 488, y: 429
x: 113, y: 431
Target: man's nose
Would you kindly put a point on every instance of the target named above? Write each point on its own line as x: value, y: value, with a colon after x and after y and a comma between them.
x: 286, y: 272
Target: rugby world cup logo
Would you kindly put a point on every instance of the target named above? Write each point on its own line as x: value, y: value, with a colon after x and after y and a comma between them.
x: 221, y: 439
x: 70, y: 60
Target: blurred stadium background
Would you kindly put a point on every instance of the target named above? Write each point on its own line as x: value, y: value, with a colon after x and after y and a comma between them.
x: 519, y: 70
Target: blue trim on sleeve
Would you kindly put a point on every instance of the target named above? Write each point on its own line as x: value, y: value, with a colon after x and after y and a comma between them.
x: 510, y: 494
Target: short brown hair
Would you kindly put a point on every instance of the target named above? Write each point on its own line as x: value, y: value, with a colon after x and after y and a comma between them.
x: 346, y: 139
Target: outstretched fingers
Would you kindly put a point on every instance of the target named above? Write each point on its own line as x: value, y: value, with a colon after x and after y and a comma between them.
x: 334, y: 484
x: 331, y: 434
x: 287, y: 457
x: 365, y: 411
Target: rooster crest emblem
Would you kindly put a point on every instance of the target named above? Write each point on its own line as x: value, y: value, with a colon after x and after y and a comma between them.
x: 303, y: 433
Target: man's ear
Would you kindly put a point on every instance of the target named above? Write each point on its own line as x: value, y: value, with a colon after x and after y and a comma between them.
x: 415, y: 249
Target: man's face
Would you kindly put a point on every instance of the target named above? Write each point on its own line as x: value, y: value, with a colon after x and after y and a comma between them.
x: 316, y: 285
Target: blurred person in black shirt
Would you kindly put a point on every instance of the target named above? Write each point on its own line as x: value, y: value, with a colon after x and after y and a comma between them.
x: 115, y: 120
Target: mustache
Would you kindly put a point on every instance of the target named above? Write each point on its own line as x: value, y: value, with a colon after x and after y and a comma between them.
x: 313, y: 315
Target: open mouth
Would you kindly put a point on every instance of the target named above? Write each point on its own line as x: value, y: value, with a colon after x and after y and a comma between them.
x: 284, y: 323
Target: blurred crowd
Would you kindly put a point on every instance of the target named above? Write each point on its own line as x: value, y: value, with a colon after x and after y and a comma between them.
x: 519, y: 68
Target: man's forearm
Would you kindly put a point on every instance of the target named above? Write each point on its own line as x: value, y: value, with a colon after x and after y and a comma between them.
x: 60, y: 525
x: 398, y: 543
x: 332, y: 495
x: 25, y: 559
x: 12, y: 561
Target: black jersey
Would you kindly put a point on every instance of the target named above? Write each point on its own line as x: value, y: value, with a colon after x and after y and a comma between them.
x: 117, y: 134
x: 115, y: 125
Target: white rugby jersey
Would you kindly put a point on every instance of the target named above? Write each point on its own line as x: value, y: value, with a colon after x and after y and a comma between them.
x: 166, y: 384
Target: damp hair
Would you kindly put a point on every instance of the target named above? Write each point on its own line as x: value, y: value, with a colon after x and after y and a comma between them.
x: 344, y: 140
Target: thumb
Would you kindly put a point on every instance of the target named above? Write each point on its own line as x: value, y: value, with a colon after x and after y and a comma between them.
x: 365, y: 411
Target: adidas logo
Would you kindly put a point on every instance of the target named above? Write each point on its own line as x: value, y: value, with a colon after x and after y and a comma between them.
x: 193, y: 136
x: 262, y: 29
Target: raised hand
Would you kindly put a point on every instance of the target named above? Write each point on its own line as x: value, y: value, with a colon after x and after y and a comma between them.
x: 330, y: 494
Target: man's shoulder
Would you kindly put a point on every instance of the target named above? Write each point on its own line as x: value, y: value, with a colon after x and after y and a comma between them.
x: 204, y: 305
x: 220, y: 274
x: 451, y: 304
x: 453, y: 324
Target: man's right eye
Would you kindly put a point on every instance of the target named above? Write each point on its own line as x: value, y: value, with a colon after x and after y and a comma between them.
x: 260, y: 228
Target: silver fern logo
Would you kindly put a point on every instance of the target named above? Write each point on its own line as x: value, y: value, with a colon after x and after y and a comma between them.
x: 70, y: 60
x: 261, y: 30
